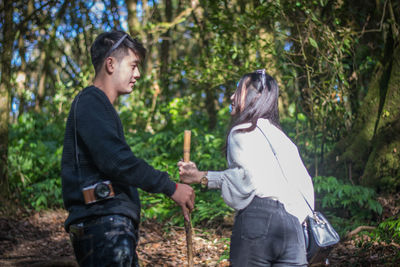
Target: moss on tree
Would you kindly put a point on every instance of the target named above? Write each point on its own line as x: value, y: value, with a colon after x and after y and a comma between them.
x: 370, y: 154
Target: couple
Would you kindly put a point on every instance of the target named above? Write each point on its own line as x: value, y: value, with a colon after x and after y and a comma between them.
x: 100, y: 174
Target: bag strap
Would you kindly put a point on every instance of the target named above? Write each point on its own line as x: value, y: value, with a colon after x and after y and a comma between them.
x: 76, y: 141
x: 283, y: 173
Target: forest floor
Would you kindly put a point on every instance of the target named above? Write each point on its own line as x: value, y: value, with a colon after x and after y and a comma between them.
x: 39, y: 239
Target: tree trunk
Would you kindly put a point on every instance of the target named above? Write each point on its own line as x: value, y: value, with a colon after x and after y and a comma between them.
x: 371, y: 152
x: 136, y: 31
x: 40, y: 94
x: 46, y: 56
x: 382, y: 169
x: 211, y: 97
x: 5, y: 88
x: 133, y: 22
x: 211, y: 106
x: 22, y: 77
x: 164, y: 53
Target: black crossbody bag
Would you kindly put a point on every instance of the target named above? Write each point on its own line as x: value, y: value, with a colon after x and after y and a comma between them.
x: 318, y: 232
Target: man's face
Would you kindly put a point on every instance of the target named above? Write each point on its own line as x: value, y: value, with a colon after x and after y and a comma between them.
x: 126, y: 73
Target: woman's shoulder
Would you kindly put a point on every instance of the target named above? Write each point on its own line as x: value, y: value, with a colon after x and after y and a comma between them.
x: 264, y: 127
x: 242, y: 138
x: 276, y: 134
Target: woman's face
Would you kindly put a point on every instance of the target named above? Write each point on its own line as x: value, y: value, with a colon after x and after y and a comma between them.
x: 237, y: 101
x: 233, y: 109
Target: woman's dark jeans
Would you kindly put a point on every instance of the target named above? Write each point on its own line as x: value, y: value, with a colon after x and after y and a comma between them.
x: 105, y: 241
x: 264, y: 234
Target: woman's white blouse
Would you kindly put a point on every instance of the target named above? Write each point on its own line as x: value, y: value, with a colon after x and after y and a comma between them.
x: 254, y: 170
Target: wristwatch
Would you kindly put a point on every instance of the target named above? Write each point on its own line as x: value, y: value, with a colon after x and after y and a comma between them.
x: 204, y: 181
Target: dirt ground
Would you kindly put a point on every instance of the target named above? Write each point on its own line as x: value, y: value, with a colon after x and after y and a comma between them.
x: 40, y: 240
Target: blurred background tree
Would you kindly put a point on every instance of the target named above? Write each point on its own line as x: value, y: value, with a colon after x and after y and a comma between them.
x: 336, y: 61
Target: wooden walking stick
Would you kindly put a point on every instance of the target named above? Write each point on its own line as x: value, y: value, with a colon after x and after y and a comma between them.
x: 188, y: 224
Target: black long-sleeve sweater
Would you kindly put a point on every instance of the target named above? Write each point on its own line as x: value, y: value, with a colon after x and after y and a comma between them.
x: 104, y: 155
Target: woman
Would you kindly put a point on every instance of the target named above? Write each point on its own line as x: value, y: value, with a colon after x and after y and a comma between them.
x: 263, y: 188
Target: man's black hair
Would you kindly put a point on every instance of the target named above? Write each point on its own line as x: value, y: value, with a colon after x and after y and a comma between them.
x: 103, y: 43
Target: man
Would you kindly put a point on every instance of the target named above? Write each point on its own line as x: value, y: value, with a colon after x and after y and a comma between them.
x: 100, y: 174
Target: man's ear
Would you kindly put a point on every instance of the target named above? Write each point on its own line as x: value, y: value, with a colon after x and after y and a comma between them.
x: 109, y: 65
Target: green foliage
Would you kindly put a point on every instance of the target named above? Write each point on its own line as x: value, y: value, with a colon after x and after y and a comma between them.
x: 225, y: 253
x: 36, y: 145
x: 386, y: 235
x: 164, y: 149
x: 345, y: 203
x: 44, y: 194
x: 210, y: 207
x: 323, y: 54
x: 35, y: 163
x: 353, y: 200
x: 388, y: 231
x: 34, y: 160
x: 312, y: 145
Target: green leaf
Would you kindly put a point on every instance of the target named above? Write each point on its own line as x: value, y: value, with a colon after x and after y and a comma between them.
x: 313, y: 42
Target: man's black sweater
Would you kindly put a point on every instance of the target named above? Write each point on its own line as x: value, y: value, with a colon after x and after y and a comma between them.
x: 104, y: 155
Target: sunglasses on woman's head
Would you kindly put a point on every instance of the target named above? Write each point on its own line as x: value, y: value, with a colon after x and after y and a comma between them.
x: 263, y: 77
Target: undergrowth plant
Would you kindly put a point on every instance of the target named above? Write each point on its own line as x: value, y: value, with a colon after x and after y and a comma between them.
x: 347, y: 205
x: 35, y: 154
x: 388, y: 231
x: 34, y: 158
x: 164, y: 149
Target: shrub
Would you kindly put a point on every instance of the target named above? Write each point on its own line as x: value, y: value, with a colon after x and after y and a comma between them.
x: 34, y: 157
x: 345, y: 204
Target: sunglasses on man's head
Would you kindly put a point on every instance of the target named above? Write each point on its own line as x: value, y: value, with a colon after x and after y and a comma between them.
x: 116, y: 45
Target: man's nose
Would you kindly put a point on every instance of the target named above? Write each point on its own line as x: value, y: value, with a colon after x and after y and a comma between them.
x: 136, y: 73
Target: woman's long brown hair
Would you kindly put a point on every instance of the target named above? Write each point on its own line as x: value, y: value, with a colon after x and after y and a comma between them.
x: 260, y: 102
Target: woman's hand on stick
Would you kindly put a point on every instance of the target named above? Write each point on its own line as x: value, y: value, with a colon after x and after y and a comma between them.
x: 188, y: 172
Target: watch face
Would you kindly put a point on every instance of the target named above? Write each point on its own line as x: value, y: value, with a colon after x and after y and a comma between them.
x: 102, y: 190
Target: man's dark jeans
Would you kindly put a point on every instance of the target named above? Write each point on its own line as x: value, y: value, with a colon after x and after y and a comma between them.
x: 105, y: 241
x: 264, y: 234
